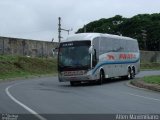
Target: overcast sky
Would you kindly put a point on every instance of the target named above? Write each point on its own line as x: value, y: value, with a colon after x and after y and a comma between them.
x: 38, y: 19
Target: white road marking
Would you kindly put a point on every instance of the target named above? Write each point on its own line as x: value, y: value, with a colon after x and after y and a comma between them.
x: 23, y: 105
x: 149, y: 98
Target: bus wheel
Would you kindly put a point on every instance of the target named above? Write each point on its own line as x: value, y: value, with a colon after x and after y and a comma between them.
x: 129, y: 74
x: 101, y: 78
x: 132, y: 73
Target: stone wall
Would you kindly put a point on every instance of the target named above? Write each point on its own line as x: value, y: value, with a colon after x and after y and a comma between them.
x: 150, y: 56
x: 25, y: 47
x: 33, y: 48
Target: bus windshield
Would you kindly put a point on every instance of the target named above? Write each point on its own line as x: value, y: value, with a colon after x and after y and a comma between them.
x: 74, y: 54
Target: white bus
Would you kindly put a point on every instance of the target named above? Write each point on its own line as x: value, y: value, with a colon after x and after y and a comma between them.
x: 94, y: 56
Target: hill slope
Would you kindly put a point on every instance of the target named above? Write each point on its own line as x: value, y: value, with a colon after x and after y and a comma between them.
x: 16, y: 66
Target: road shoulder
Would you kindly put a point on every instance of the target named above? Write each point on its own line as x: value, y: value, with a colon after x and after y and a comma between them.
x: 27, y: 77
x: 141, y: 84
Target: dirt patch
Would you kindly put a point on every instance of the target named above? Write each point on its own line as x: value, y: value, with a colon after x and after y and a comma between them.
x: 140, y: 83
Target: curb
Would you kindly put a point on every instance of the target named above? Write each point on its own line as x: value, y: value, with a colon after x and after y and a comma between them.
x: 141, y: 84
x: 27, y: 77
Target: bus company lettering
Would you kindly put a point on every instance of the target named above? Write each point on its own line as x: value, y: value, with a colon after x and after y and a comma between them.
x: 110, y: 57
x: 127, y: 56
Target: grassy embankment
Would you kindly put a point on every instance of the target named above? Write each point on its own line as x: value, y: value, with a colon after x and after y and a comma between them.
x: 150, y: 66
x: 152, y: 79
x: 16, y: 66
x: 149, y: 82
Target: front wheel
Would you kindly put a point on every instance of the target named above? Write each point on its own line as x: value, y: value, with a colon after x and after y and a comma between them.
x: 101, y: 78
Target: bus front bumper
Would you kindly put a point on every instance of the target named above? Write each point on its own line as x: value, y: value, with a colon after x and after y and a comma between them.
x: 76, y: 78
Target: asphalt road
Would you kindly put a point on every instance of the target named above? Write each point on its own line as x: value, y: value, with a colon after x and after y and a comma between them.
x: 41, y: 96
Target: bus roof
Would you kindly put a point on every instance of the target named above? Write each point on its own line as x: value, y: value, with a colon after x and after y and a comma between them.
x: 91, y: 36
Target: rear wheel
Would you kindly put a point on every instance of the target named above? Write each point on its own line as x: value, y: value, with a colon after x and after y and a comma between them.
x: 133, y: 73
x: 129, y: 74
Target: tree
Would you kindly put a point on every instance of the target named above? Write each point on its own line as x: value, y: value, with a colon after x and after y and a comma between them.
x: 131, y: 27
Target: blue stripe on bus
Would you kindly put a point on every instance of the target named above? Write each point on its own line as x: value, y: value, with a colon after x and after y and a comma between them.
x: 113, y: 62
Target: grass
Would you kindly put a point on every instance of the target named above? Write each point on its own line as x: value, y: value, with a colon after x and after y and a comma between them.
x: 152, y: 79
x: 150, y: 66
x: 18, y: 66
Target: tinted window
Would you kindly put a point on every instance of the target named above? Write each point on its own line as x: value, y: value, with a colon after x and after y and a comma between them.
x: 96, y: 45
x: 106, y: 45
x: 131, y: 46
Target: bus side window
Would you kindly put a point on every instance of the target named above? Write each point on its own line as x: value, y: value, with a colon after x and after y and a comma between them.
x: 106, y: 45
x: 122, y: 45
x: 116, y: 45
x: 96, y: 46
x: 135, y: 46
x: 95, y: 60
x: 128, y: 46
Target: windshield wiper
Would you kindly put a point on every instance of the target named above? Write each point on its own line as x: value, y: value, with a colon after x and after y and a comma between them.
x: 73, y: 66
x: 66, y: 66
x: 80, y: 65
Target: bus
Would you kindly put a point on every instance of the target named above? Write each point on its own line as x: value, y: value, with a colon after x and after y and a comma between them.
x: 95, y: 57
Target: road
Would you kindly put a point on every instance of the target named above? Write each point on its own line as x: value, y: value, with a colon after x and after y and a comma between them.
x: 47, y: 96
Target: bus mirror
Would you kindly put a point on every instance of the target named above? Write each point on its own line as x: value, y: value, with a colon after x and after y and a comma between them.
x: 91, y: 51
